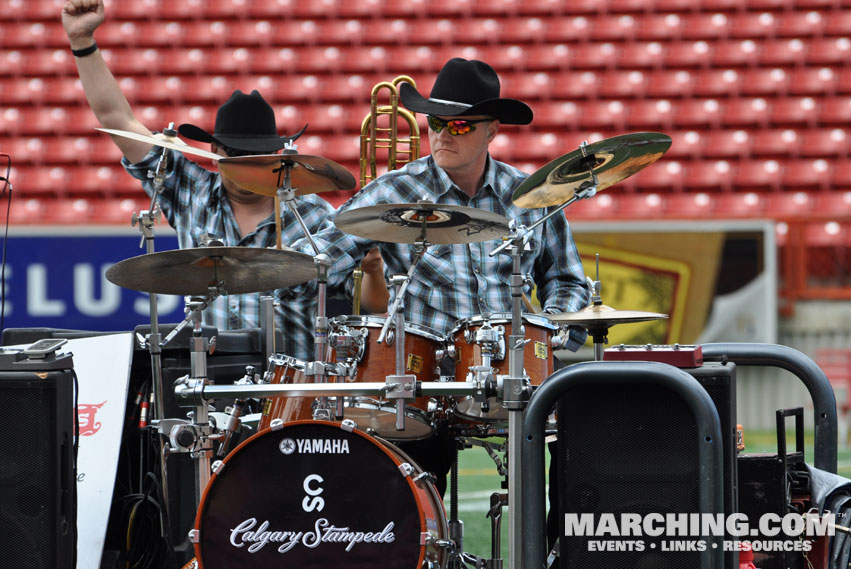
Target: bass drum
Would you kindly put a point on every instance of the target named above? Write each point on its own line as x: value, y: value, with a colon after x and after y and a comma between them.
x: 314, y: 495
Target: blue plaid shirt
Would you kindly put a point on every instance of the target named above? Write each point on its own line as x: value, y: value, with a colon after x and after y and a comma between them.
x: 194, y: 202
x: 452, y: 282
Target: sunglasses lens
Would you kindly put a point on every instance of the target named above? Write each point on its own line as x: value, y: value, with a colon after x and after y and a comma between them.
x: 455, y: 127
x: 436, y: 124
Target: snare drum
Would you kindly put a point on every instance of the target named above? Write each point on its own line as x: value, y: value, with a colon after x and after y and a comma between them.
x: 285, y: 370
x: 313, y: 494
x: 374, y: 362
x: 537, y: 357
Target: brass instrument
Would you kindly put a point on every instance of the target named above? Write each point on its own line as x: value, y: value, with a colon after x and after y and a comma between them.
x: 374, y: 137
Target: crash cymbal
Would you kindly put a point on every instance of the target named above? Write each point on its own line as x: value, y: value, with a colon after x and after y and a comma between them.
x: 158, y: 140
x: 308, y: 174
x: 602, y: 316
x: 612, y: 160
x: 403, y: 223
x: 192, y: 271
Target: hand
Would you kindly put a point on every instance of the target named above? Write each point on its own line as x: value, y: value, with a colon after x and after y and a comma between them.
x: 81, y: 18
x: 372, y: 262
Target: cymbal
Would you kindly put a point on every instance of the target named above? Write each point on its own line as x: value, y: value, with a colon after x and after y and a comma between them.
x: 612, y: 160
x: 403, y: 223
x: 169, y: 142
x: 192, y: 271
x: 308, y: 174
x: 602, y: 316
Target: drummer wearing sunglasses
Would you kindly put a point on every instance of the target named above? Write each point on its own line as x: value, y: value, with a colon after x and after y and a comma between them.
x: 464, y: 113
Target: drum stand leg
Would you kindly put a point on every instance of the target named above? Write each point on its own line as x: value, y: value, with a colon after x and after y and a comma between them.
x: 456, y: 526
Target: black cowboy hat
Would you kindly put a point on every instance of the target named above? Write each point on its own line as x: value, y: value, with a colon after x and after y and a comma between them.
x: 243, y: 123
x: 466, y: 88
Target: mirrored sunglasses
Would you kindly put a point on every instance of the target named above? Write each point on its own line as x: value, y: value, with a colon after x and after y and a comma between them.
x: 454, y: 126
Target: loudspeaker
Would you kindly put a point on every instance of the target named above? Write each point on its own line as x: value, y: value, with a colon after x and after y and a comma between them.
x: 37, y: 486
x: 633, y: 450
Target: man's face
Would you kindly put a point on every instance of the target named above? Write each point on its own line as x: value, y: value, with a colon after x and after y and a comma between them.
x: 455, y: 152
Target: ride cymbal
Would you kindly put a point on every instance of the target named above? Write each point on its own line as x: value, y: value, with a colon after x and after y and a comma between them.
x: 612, y: 160
x: 408, y: 222
x: 169, y: 142
x: 264, y: 174
x: 193, y: 271
x: 602, y: 316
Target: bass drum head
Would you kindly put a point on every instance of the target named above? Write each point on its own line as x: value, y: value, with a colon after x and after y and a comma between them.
x: 313, y: 495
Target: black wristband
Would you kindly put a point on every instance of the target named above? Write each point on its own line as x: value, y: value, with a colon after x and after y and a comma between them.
x: 85, y: 51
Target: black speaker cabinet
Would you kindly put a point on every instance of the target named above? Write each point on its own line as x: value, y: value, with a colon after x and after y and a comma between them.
x: 632, y: 450
x: 37, y: 486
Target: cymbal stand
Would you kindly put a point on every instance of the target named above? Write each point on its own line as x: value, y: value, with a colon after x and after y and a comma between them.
x: 599, y: 334
x: 146, y: 219
x: 196, y: 438
x: 320, y: 367
x: 401, y: 387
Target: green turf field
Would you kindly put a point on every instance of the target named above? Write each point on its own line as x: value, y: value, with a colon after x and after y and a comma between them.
x: 478, y: 479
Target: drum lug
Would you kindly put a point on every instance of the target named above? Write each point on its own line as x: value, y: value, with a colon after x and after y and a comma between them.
x: 276, y: 424
x: 348, y: 425
x: 217, y: 466
x: 194, y: 536
x: 406, y: 469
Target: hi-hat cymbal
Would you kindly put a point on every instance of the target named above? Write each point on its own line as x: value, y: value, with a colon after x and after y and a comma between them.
x: 601, y: 316
x: 612, y: 160
x: 169, y: 142
x: 262, y: 174
x: 192, y: 271
x: 404, y: 223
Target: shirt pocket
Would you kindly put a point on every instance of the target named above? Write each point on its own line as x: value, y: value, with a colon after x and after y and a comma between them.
x: 436, y: 265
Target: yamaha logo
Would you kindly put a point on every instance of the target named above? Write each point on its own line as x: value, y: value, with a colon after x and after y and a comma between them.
x: 287, y: 446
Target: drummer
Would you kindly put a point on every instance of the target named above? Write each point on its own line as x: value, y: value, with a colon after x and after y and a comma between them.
x: 201, y: 204
x: 453, y: 282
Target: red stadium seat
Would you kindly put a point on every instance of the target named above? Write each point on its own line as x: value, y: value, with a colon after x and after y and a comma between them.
x: 797, y: 111
x: 739, y: 205
x: 243, y: 33
x: 813, y: 81
x: 717, y: 82
x: 649, y: 114
x: 661, y: 27
x: 27, y: 210
x: 752, y: 25
x: 686, y: 144
x: 837, y: 202
x: 140, y: 10
x: 708, y: 175
x: 531, y: 86
x: 776, y: 142
x: 570, y: 29
x: 665, y: 175
x: 828, y: 51
x: 827, y: 142
x: 802, y: 24
x: 788, y: 204
x: 548, y: 56
x: 758, y: 174
x: 14, y: 121
x: 783, y: 52
x: 641, y: 55
x: 622, y: 84
x: 616, y: 26
x: 688, y: 54
x: 600, y: 114
x: 727, y: 144
x: 669, y: 83
x: 705, y: 26
x: 801, y: 174
x: 595, y: 56
x: 837, y: 23
x: 841, y: 175
x: 689, y: 205
x: 745, y: 111
x: 764, y: 81
x: 735, y: 53
x: 835, y: 111
x: 522, y: 30
x: 697, y: 113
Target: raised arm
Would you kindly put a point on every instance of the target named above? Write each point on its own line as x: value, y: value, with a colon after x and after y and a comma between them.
x: 81, y: 18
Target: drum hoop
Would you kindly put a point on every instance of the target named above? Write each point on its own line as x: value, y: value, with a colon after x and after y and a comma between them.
x: 502, y: 318
x: 285, y: 360
x: 378, y: 322
x: 393, y: 454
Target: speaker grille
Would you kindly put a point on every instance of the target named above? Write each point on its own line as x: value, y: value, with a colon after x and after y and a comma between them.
x: 630, y: 450
x: 34, y: 435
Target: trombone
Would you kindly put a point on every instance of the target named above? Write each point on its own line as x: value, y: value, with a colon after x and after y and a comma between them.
x: 373, y: 137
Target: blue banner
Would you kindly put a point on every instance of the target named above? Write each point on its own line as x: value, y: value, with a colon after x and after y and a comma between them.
x: 57, y: 279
